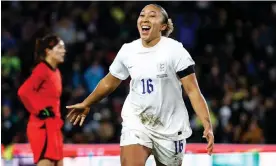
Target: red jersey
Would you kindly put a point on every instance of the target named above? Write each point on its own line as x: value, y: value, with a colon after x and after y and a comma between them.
x: 42, y: 89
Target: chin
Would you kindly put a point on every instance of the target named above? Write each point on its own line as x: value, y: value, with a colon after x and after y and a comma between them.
x: 145, y: 38
x: 61, y: 61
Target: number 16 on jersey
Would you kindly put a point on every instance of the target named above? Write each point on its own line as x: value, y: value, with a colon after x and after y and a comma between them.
x: 147, y: 86
x: 178, y: 146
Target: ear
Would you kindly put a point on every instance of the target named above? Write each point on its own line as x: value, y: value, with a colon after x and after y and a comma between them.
x: 47, y: 50
x: 163, y: 27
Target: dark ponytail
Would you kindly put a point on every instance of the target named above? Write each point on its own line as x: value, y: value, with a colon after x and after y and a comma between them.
x: 37, y: 52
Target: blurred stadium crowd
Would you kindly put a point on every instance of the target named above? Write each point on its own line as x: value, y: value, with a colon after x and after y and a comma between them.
x: 233, y: 44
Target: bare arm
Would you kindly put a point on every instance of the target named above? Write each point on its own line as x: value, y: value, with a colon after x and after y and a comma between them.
x: 106, y: 86
x: 198, y: 102
x: 79, y: 111
x: 200, y: 106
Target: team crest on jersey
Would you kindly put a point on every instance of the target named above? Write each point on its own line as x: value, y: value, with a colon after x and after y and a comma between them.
x: 161, y: 68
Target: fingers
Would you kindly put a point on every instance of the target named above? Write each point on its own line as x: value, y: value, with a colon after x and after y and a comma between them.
x: 77, y: 120
x: 73, y: 118
x: 210, y: 145
x: 76, y: 106
x: 76, y: 114
x: 70, y: 113
x: 82, y: 119
x: 71, y: 106
x: 210, y: 138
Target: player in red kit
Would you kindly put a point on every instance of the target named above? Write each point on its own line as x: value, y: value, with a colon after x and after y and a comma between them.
x: 40, y: 94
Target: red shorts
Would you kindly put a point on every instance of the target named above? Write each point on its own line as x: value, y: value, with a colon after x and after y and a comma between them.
x: 46, y: 140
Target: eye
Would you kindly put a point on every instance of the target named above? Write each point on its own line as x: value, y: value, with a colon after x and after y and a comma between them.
x: 141, y: 15
x: 60, y: 47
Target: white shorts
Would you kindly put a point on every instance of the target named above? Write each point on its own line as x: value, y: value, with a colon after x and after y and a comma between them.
x: 169, y: 153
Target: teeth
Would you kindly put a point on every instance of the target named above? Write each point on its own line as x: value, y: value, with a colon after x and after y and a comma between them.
x: 144, y: 26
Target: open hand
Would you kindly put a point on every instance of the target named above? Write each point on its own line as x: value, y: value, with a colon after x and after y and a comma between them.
x: 78, y: 112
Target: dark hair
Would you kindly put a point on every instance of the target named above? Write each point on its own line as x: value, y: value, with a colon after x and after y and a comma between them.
x: 49, y: 42
x: 166, y: 20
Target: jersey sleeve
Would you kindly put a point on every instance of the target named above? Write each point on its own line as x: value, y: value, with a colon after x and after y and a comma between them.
x: 183, y: 63
x: 29, y: 91
x: 117, y: 68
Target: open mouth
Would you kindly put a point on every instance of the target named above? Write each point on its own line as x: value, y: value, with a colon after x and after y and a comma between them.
x: 145, y: 28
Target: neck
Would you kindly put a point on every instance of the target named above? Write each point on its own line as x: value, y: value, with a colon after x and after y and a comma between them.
x: 151, y: 43
x: 51, y: 62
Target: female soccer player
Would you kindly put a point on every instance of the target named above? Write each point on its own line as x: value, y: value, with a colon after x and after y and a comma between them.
x: 155, y: 119
x: 40, y: 94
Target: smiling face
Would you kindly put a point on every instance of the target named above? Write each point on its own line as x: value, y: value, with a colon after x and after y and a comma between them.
x: 57, y: 53
x: 150, y: 23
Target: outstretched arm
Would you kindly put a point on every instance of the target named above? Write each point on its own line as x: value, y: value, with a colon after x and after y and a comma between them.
x: 106, y: 86
x: 200, y: 106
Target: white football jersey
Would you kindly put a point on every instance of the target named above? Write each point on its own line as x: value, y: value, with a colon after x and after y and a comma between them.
x: 154, y: 103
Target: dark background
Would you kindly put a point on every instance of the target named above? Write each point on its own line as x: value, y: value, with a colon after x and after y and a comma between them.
x: 232, y: 43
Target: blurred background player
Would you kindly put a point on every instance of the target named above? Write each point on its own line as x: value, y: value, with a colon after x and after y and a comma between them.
x: 40, y: 94
x: 155, y: 119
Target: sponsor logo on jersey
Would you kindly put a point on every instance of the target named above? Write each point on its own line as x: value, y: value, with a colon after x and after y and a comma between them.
x: 162, y: 75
